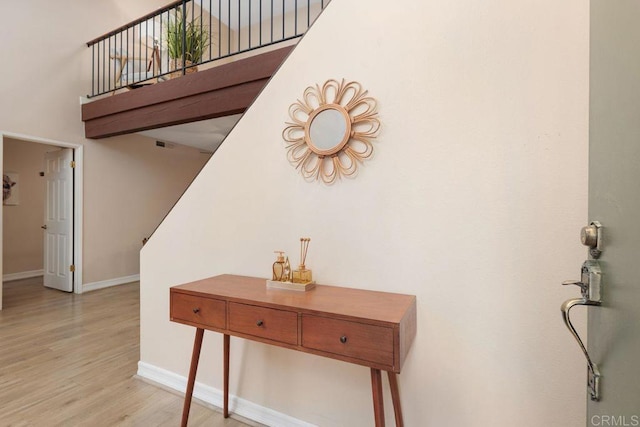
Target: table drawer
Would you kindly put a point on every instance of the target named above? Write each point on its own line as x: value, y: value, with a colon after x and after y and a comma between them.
x: 276, y: 325
x: 202, y: 311
x: 358, y: 340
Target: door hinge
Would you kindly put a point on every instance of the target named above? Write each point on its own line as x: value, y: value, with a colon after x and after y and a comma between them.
x: 72, y: 268
x: 72, y: 164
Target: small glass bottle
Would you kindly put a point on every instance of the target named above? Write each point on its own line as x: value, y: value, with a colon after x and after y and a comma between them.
x: 286, y: 277
x: 278, y: 266
x: 302, y: 275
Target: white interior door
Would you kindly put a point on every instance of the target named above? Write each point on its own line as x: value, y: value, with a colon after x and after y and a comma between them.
x: 58, y: 221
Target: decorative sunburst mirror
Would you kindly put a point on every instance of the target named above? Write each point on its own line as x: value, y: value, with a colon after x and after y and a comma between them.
x: 331, y: 130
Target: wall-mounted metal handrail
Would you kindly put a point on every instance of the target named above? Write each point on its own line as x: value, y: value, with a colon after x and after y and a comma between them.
x: 174, y: 40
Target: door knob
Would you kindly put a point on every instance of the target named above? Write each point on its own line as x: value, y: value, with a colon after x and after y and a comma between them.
x: 44, y: 227
x: 591, y: 236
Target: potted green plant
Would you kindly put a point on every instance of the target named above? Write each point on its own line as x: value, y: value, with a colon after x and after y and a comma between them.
x: 191, y: 35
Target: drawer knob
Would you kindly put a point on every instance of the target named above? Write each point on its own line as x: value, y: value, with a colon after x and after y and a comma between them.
x: 196, y: 310
x: 343, y: 339
x: 259, y: 323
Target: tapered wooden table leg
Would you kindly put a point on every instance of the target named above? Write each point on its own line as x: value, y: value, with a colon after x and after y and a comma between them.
x: 395, y: 396
x: 226, y: 376
x: 378, y: 405
x: 195, y: 357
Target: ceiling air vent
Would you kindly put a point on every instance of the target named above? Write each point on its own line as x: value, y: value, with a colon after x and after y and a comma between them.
x: 163, y: 144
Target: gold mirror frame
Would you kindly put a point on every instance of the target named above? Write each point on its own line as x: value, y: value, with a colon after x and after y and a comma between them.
x: 361, y: 127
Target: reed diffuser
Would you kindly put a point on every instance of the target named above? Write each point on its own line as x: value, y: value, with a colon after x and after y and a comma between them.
x: 302, y: 274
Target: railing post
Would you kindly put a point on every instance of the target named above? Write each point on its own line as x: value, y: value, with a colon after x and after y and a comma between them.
x: 184, y: 37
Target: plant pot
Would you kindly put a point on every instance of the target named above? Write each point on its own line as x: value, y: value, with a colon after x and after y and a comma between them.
x: 176, y: 64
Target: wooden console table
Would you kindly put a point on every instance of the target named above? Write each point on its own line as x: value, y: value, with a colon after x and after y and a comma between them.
x: 373, y: 329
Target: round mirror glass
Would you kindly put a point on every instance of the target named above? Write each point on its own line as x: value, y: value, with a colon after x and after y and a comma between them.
x: 328, y: 131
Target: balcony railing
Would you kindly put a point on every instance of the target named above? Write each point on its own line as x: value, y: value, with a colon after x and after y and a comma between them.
x: 175, y: 40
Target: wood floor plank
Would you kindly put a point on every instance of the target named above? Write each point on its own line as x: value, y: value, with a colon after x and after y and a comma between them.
x: 70, y: 360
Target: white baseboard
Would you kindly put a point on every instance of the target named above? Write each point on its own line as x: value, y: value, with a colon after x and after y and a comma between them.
x: 213, y: 396
x: 22, y: 275
x: 111, y: 282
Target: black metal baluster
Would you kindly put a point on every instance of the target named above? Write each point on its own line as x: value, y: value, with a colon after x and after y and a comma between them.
x: 283, y: 2
x: 184, y: 37
x: 161, y: 69
x: 295, y: 25
x: 239, y: 28
x: 115, y: 82
x: 146, y: 49
x: 271, y: 21
x: 115, y: 65
x: 229, y: 29
x: 108, y: 69
x: 93, y: 66
x: 166, y: 70
x: 103, y: 65
x: 249, y: 24
x: 98, y: 69
x: 133, y: 72
x: 260, y: 35
x: 154, y: 56
x: 191, y: 48
x: 128, y: 50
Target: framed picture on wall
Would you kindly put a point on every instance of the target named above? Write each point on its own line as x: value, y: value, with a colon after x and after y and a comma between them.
x: 10, y: 189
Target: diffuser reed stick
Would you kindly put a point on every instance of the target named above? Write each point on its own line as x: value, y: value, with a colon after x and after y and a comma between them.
x: 304, y: 247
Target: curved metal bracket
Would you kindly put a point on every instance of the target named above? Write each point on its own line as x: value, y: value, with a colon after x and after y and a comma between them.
x: 594, y: 372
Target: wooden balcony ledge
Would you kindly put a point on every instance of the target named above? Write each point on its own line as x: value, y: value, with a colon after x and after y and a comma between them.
x: 219, y: 91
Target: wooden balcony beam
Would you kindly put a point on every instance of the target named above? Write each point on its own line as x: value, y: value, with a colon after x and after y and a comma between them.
x: 219, y: 91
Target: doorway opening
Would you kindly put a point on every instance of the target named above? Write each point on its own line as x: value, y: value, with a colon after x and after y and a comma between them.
x: 74, y: 244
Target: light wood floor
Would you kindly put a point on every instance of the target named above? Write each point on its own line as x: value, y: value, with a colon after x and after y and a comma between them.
x: 69, y: 360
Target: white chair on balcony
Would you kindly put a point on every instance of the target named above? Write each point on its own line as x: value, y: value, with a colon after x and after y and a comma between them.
x: 132, y: 72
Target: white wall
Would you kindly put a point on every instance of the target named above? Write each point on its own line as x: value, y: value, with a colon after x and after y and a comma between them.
x: 139, y: 183
x: 472, y: 202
